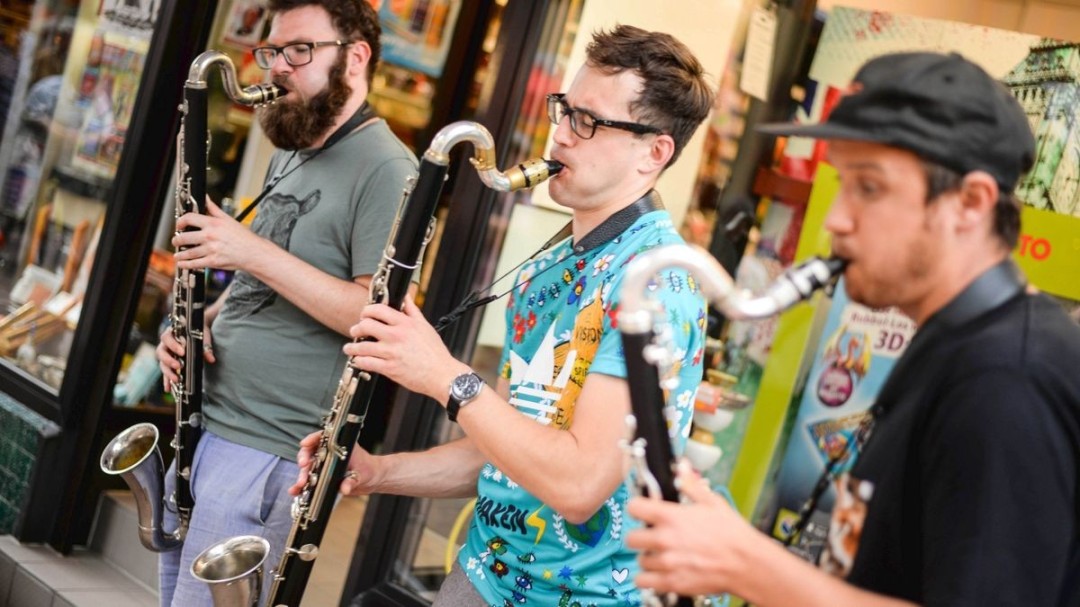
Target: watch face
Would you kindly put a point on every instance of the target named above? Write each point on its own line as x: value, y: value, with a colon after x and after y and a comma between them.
x: 466, y: 387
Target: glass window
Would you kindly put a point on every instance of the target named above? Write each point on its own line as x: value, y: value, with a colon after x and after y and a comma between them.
x: 69, y: 73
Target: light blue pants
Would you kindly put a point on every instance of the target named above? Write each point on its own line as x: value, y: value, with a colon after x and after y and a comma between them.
x: 238, y: 491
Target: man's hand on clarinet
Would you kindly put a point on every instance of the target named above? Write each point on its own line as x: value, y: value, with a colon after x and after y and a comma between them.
x: 362, y: 473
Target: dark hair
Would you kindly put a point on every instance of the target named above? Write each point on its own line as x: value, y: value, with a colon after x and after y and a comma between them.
x: 353, y: 19
x: 675, y: 96
x: 941, y: 179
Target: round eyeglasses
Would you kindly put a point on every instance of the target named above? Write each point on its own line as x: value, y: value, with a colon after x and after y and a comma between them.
x: 296, y: 54
x: 584, y: 124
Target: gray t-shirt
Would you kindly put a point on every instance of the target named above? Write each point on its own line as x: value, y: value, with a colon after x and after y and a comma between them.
x: 277, y: 368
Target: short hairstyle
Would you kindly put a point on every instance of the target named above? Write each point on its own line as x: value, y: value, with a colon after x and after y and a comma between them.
x: 941, y: 179
x: 675, y: 95
x: 354, y: 20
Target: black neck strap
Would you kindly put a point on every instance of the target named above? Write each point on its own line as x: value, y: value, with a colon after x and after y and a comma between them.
x: 990, y: 290
x: 611, y: 227
x: 364, y: 113
x: 618, y: 222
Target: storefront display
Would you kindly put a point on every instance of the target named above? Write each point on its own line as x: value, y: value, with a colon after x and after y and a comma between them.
x: 59, y: 167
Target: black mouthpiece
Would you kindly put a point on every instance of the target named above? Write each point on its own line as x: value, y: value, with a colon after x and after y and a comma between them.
x: 836, y: 265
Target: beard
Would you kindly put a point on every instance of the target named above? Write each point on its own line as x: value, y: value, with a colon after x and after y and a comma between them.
x: 298, y: 125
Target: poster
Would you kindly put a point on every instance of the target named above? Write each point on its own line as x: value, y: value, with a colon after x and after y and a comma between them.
x: 133, y: 17
x: 417, y: 33
x: 107, y: 94
x: 858, y: 350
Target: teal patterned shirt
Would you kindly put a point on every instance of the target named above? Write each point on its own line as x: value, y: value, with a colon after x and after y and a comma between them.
x: 563, y: 320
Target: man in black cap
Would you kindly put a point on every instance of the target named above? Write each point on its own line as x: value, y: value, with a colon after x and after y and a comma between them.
x: 964, y: 489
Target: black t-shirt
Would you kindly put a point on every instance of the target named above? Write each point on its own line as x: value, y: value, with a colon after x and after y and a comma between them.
x: 967, y: 491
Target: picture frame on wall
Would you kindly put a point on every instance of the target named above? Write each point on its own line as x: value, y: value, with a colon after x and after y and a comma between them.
x: 246, y: 23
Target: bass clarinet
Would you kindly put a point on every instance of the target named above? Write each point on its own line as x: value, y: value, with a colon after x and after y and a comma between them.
x: 413, y: 229
x: 134, y: 454
x: 652, y: 460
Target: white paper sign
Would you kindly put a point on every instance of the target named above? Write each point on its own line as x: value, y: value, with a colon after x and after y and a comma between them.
x: 757, y: 60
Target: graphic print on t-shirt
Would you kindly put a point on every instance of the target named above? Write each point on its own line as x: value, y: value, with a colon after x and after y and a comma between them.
x: 845, y: 529
x: 275, y: 221
x: 547, y: 387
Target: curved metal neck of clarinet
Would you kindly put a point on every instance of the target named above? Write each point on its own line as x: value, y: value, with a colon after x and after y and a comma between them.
x: 524, y: 175
x: 254, y: 95
x: 795, y: 285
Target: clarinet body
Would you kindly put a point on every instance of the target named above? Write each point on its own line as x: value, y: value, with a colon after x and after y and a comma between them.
x: 413, y: 229
x: 134, y: 454
x: 650, y: 452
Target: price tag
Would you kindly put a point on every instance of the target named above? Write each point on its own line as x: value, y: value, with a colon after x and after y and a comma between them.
x: 758, y: 56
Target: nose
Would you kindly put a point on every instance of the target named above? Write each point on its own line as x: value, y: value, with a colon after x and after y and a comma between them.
x: 564, y: 135
x: 839, y: 219
x: 280, y: 66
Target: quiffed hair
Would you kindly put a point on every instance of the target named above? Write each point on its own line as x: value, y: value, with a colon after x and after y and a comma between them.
x: 354, y: 20
x: 675, y: 97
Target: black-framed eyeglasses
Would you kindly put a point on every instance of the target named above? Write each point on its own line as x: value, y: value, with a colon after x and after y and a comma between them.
x: 584, y: 124
x: 296, y: 54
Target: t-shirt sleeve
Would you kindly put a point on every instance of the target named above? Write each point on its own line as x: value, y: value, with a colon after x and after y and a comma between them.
x: 377, y: 207
x: 998, y: 480
x: 508, y: 316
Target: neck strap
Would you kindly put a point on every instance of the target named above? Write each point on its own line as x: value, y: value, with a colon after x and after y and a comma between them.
x: 611, y: 227
x: 618, y: 222
x: 360, y: 116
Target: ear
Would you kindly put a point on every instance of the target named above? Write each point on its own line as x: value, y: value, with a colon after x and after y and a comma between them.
x: 359, y: 57
x: 660, y: 152
x: 978, y: 196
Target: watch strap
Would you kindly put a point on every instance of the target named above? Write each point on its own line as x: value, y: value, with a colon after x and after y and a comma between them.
x: 454, y: 404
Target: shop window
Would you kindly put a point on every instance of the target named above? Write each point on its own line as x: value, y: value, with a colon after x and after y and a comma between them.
x: 69, y: 74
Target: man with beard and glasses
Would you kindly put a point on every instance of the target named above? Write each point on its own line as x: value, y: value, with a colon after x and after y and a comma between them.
x: 273, y: 339
x: 965, y: 488
x: 541, y: 448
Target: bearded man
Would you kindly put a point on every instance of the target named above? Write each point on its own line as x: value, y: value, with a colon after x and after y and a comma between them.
x: 302, y: 274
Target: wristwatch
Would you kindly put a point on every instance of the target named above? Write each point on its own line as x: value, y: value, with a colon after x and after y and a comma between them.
x: 464, y: 389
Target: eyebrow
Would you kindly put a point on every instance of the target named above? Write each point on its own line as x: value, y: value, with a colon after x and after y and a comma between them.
x: 290, y: 42
x: 593, y: 112
x: 861, y: 165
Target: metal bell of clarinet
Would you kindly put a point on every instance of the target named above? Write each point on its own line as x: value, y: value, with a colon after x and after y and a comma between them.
x: 233, y: 569
x: 652, y: 460
x: 134, y: 454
